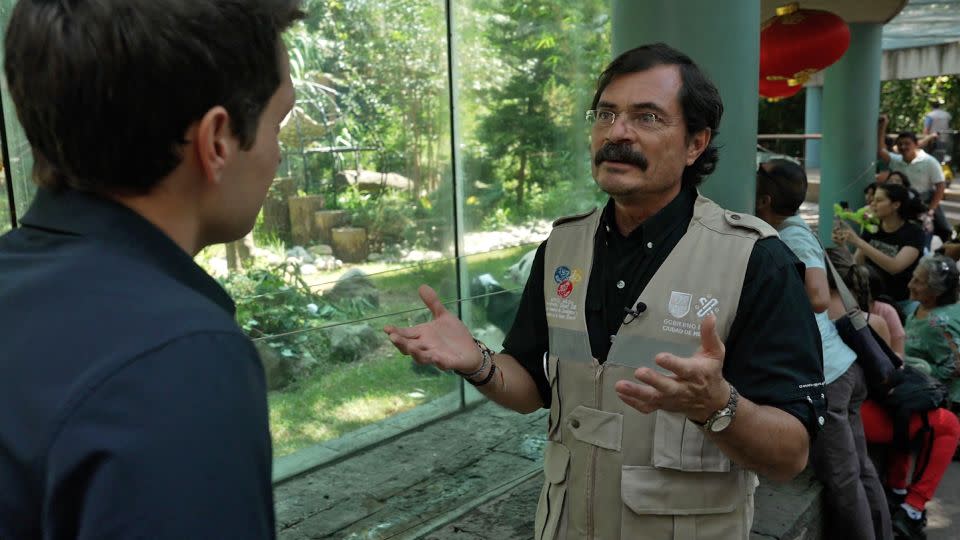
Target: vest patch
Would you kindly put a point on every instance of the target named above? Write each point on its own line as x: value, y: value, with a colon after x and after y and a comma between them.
x: 560, y: 306
x: 680, y: 305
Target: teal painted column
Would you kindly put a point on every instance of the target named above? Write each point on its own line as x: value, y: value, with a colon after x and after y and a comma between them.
x: 723, y: 38
x: 851, y: 105
x: 812, y: 120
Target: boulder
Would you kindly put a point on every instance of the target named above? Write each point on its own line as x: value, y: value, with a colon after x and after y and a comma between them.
x: 352, y: 342
x: 354, y: 284
x: 283, y: 365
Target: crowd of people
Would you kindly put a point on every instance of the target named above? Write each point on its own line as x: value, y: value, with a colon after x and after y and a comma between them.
x: 879, y: 470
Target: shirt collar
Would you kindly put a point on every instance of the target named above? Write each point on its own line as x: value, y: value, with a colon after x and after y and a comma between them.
x: 80, y: 214
x: 677, y: 212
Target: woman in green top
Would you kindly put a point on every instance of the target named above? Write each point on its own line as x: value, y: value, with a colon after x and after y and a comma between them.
x: 933, y: 329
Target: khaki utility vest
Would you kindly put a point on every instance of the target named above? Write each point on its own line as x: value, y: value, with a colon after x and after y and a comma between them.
x: 611, y: 471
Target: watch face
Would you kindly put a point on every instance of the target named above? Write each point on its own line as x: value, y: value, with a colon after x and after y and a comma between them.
x: 721, y: 423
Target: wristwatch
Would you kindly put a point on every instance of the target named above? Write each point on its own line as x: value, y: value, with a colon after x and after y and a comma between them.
x: 721, y: 419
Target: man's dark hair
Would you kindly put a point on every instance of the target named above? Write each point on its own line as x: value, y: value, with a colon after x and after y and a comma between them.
x: 907, y: 135
x: 699, y: 98
x: 106, y: 89
x: 786, y: 184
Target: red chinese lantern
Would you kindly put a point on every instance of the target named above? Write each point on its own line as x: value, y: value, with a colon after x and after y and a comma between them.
x: 796, y: 43
x: 777, y: 89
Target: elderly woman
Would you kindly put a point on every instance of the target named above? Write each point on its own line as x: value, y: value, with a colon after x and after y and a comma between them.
x: 933, y: 328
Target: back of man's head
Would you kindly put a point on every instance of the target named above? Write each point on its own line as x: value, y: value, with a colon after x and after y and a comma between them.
x: 106, y: 89
x: 785, y: 183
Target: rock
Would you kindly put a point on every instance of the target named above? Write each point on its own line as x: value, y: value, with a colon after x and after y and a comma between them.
x: 321, y: 250
x: 328, y: 263
x: 297, y: 252
x: 375, y: 257
x: 349, y: 343
x: 283, y: 365
x: 354, y: 284
x: 308, y: 269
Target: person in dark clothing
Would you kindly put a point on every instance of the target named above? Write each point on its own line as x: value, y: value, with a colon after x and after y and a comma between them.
x: 894, y: 250
x: 131, y: 404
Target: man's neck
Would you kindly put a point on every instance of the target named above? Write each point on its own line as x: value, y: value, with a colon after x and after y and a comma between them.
x: 631, y: 212
x: 169, y: 217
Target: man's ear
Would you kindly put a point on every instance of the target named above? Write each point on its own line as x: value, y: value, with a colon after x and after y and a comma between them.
x: 763, y: 202
x: 697, y: 144
x: 215, y: 143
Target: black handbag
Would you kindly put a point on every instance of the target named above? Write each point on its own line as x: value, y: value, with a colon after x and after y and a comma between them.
x: 875, y: 357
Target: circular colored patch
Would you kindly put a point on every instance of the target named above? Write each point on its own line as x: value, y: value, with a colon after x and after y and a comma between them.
x: 564, y: 289
x: 577, y: 276
x: 561, y: 274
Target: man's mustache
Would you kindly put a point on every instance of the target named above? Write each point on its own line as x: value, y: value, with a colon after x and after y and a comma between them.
x: 621, y: 153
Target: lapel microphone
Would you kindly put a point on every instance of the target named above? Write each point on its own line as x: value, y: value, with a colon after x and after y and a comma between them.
x: 634, y: 311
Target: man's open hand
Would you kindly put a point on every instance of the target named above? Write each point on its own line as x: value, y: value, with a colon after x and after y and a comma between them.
x: 443, y: 342
x: 696, y: 387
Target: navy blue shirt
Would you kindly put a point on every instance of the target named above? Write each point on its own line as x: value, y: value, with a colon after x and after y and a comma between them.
x: 773, y: 354
x: 131, y: 404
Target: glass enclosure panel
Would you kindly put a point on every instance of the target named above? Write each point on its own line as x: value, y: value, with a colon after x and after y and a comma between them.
x: 360, y: 215
x: 330, y: 367
x: 21, y: 161
x: 526, y: 75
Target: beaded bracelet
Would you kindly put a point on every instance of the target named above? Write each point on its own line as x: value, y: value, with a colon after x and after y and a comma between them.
x: 487, y: 379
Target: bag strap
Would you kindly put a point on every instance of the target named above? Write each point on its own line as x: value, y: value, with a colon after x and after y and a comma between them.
x: 849, y: 302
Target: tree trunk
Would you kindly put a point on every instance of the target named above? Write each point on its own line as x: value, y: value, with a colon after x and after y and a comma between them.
x: 350, y: 244
x: 521, y: 179
x: 276, y: 209
x: 302, y: 210
x: 325, y: 220
x: 240, y: 252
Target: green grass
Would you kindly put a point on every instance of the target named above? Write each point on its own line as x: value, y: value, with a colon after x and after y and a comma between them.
x: 340, y: 398
x: 337, y: 398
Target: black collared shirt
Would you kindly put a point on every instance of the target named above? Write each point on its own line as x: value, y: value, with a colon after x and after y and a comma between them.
x: 131, y: 404
x: 773, y: 354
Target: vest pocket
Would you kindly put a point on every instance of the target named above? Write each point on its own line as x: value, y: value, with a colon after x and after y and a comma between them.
x: 556, y: 461
x: 683, y: 505
x: 680, y: 445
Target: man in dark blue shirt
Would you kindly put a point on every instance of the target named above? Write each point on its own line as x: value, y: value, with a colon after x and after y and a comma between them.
x: 131, y: 404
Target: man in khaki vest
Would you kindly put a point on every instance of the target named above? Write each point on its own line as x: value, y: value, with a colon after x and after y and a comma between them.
x: 672, y: 340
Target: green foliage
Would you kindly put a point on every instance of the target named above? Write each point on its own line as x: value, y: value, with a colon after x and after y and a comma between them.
x: 537, y: 80
x: 783, y: 116
x: 906, y: 102
x: 387, y: 216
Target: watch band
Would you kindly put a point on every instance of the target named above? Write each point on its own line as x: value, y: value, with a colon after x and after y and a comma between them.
x: 727, y: 411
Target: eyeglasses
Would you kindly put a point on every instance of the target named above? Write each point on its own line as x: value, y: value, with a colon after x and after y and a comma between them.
x: 635, y: 120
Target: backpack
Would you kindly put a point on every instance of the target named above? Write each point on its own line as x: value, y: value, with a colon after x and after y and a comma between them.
x: 913, y: 391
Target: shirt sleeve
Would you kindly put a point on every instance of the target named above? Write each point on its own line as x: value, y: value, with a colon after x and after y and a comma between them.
x: 773, y: 351
x: 174, y: 444
x: 936, y: 171
x: 804, y: 245
x: 528, y: 340
x: 914, y: 237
